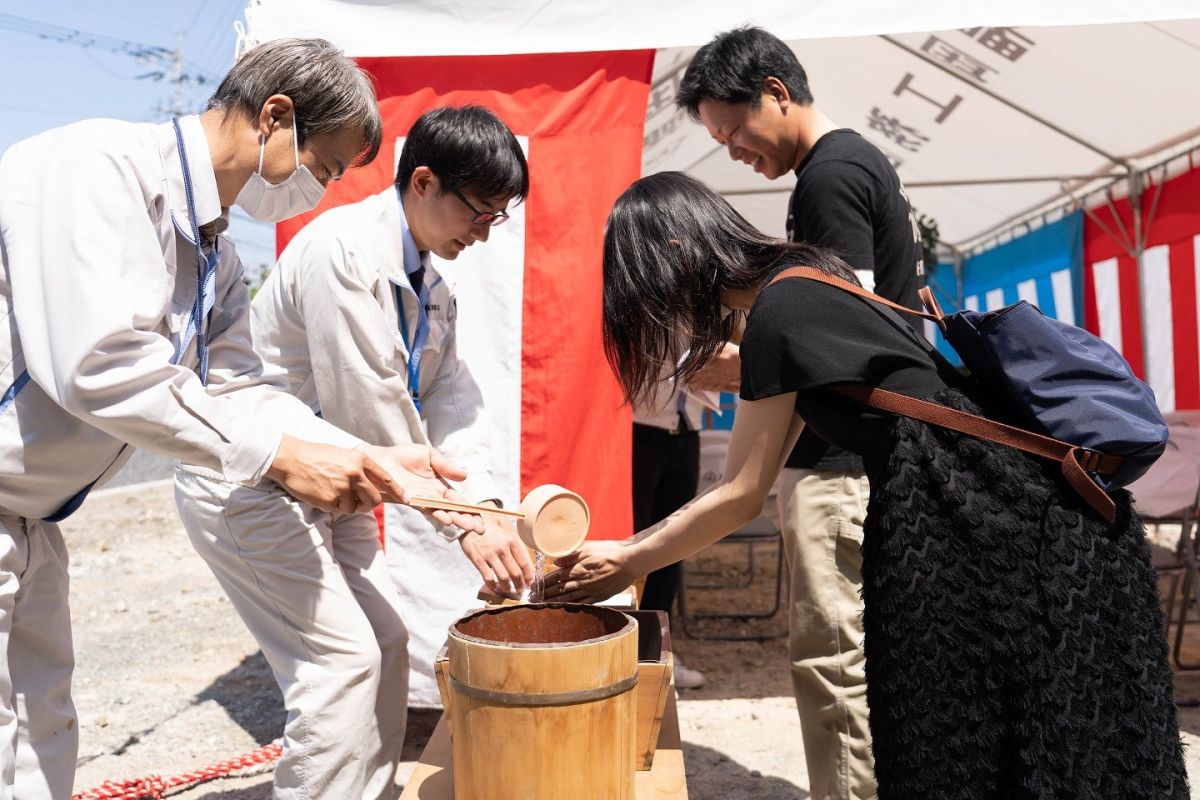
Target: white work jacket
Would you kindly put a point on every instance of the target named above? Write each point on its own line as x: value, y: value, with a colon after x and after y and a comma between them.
x: 327, y: 316
x: 97, y: 286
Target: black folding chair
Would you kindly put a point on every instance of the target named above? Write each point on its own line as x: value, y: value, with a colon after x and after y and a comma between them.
x: 760, y: 531
x: 1172, y: 482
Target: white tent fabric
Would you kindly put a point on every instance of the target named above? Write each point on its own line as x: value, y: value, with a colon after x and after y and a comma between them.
x: 495, y: 27
x: 966, y: 105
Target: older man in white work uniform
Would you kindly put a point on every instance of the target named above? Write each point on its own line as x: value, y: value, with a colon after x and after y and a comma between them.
x: 127, y: 325
x: 363, y: 327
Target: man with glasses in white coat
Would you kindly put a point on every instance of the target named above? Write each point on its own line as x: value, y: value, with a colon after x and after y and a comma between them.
x: 363, y: 326
x: 127, y: 325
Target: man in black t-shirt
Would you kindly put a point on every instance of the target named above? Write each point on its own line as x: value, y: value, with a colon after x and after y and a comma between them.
x: 749, y: 91
x: 848, y: 198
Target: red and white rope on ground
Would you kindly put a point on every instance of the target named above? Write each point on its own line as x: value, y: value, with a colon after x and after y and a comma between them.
x: 154, y: 787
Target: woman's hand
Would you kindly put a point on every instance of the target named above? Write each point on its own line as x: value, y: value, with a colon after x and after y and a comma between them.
x: 596, y: 571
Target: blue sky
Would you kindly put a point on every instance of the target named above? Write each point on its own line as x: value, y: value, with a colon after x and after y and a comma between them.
x: 49, y: 83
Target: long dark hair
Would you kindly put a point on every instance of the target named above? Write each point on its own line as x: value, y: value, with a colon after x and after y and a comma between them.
x: 671, y: 248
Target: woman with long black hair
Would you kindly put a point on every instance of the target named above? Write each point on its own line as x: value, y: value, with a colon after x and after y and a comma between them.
x: 1015, y: 646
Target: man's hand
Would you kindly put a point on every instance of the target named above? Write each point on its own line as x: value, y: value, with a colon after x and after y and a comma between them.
x: 723, y: 373
x: 421, y: 471
x: 333, y: 478
x: 500, y: 556
x: 596, y: 571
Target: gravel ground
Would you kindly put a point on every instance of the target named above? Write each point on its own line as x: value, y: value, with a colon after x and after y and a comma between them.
x: 168, y: 680
x: 142, y: 467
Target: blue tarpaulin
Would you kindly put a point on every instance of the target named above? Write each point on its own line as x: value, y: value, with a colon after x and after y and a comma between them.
x: 1044, y: 267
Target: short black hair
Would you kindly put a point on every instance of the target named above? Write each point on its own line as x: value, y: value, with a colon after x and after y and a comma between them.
x: 466, y: 147
x: 732, y: 67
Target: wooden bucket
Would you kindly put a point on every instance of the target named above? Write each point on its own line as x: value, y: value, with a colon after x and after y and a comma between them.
x: 541, y: 702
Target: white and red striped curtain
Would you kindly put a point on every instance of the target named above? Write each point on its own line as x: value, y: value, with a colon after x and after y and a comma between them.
x: 581, y: 117
x: 1151, y: 316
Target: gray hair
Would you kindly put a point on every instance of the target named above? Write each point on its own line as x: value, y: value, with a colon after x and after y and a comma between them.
x: 330, y: 92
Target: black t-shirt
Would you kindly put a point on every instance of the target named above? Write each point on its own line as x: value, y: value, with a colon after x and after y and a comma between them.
x: 802, y: 336
x: 848, y: 198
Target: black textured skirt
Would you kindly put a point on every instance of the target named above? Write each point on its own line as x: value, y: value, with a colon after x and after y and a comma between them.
x: 1015, y: 645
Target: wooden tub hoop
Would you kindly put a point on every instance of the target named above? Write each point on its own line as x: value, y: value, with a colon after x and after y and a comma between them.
x: 552, y: 699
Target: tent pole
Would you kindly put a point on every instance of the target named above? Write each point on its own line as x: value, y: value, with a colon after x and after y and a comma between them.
x: 1080, y: 201
x: 997, y: 181
x: 1136, y: 186
x: 956, y: 260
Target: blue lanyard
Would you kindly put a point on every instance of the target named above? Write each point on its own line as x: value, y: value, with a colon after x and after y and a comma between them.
x: 205, y: 296
x: 206, y: 269
x: 417, y: 343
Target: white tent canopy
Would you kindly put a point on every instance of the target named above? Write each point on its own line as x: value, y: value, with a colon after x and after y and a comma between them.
x: 984, y: 125
x: 493, y: 27
x: 987, y: 123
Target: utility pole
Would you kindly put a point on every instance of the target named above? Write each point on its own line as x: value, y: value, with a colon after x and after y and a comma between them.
x: 178, y: 79
x: 165, y: 65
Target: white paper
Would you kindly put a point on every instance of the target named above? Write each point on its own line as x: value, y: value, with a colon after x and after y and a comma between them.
x: 707, y: 399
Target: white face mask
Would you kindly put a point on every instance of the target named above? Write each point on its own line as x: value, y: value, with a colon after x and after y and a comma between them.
x: 272, y: 202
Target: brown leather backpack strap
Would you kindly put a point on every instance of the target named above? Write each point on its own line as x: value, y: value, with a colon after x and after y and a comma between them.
x: 820, y: 276
x: 1072, y: 458
x: 930, y: 302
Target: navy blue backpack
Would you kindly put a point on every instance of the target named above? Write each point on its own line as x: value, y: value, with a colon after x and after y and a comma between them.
x: 1079, y: 401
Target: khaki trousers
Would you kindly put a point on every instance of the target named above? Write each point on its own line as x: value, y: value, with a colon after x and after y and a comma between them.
x: 39, y: 732
x: 313, y: 589
x: 821, y: 516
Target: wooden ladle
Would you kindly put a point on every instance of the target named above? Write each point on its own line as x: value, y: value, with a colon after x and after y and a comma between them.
x: 555, y: 520
x: 551, y: 519
x: 442, y: 504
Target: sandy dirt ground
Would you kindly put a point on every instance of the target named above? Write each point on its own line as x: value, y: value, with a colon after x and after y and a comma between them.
x: 169, y: 681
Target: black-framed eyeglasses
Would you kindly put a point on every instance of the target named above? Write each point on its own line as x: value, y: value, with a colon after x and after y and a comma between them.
x: 482, y: 217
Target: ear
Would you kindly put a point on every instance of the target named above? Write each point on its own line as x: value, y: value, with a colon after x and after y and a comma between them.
x: 422, y: 182
x: 774, y: 88
x: 277, y: 111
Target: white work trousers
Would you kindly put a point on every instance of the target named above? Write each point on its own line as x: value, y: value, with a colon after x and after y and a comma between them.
x: 40, y: 739
x: 822, y: 516
x: 314, y: 591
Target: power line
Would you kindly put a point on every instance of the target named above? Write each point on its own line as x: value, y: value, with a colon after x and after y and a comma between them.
x: 196, y: 18
x: 164, y: 63
x: 58, y: 33
x: 218, y: 27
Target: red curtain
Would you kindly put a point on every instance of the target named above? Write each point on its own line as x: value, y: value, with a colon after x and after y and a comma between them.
x: 583, y: 114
